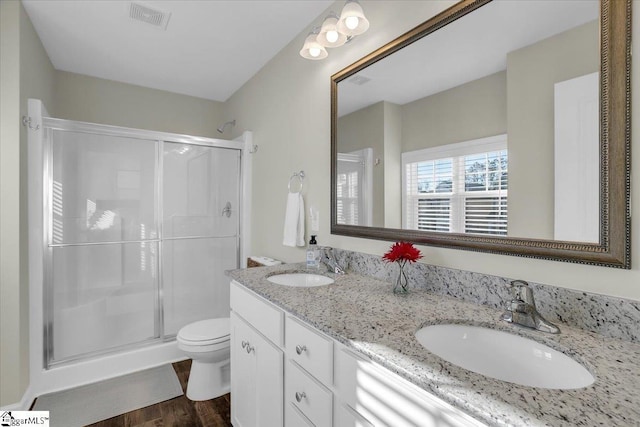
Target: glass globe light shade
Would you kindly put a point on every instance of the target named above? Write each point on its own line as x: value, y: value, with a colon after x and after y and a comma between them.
x: 352, y: 21
x: 312, y: 49
x: 329, y: 35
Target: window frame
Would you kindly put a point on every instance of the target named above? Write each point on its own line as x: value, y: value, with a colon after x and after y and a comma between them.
x: 455, y: 151
x: 364, y: 200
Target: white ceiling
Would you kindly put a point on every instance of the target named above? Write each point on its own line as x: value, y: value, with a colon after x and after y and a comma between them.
x: 209, y: 49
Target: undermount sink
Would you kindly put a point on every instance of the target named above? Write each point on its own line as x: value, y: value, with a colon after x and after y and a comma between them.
x: 504, y: 356
x: 301, y: 280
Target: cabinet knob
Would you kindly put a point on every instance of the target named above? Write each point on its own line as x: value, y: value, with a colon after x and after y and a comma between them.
x: 247, y: 346
x: 301, y: 348
x: 300, y: 396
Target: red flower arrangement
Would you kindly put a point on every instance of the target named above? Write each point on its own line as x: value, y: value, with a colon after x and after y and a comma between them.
x: 402, y: 252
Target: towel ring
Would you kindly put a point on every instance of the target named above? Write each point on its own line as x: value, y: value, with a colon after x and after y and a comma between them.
x: 300, y: 177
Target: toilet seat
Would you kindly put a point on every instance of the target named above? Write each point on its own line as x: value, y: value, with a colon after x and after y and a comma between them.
x: 205, y: 332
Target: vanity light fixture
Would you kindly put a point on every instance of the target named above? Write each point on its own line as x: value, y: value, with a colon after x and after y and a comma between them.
x: 335, y: 31
x: 311, y: 48
x: 352, y: 20
x: 329, y: 35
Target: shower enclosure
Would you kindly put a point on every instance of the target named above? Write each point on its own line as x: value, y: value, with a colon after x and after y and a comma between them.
x: 138, y: 229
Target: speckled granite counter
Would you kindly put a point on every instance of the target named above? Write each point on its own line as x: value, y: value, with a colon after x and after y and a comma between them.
x: 365, y: 315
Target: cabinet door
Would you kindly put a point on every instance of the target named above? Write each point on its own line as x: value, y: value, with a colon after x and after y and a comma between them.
x: 243, y: 374
x: 257, y: 374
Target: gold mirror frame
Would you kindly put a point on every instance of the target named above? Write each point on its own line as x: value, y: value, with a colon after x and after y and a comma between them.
x: 614, y: 249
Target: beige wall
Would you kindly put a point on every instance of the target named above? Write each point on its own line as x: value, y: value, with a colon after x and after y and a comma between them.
x: 90, y: 99
x: 532, y: 73
x: 287, y: 104
x: 470, y: 111
x: 12, y: 385
x: 25, y: 72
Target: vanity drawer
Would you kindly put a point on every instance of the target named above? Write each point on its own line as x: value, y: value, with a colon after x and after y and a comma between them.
x: 259, y: 312
x: 304, y: 392
x: 294, y: 418
x: 311, y: 350
x: 362, y: 385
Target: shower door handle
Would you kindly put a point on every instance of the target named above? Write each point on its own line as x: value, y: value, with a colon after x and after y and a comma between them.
x: 227, y: 210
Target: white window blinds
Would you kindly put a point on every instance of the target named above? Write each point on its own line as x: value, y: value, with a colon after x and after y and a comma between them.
x: 460, y: 188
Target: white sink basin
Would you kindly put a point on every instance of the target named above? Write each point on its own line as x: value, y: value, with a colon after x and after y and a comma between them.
x: 301, y: 280
x: 504, y: 356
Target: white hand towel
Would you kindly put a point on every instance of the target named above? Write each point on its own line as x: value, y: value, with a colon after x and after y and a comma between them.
x: 294, y: 221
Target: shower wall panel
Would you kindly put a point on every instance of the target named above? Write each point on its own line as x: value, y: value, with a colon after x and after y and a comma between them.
x: 103, y: 188
x: 200, y: 231
x: 103, y: 296
x: 195, y: 286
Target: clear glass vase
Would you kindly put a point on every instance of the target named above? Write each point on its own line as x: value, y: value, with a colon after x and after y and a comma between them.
x: 402, y: 284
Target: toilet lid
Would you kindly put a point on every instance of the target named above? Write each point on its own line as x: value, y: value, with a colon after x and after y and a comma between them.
x: 207, y: 331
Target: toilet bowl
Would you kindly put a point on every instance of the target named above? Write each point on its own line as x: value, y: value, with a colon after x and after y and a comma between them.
x: 206, y: 342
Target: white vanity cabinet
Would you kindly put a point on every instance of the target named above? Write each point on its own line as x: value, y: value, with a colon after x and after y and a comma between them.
x: 285, y: 372
x: 257, y: 370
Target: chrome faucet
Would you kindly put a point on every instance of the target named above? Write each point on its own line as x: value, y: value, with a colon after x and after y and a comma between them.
x: 522, y: 309
x: 328, y: 258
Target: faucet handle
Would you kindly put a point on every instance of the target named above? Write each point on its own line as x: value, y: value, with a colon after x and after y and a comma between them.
x: 329, y: 258
x: 518, y: 306
x: 522, y: 292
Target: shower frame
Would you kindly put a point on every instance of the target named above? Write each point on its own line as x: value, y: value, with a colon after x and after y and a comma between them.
x: 50, y: 124
x: 107, y: 363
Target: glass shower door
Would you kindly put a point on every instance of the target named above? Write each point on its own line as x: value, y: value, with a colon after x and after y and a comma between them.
x: 200, y: 226
x: 102, y: 244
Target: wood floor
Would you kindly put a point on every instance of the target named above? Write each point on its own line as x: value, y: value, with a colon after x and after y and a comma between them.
x: 178, y: 412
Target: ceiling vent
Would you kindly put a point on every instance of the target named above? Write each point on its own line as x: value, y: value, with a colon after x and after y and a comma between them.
x: 359, y: 80
x: 145, y: 14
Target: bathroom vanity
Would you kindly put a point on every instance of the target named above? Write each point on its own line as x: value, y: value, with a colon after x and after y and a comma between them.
x: 345, y: 354
x: 324, y: 382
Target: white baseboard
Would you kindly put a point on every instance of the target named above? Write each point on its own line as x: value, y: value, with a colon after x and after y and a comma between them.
x: 24, y: 404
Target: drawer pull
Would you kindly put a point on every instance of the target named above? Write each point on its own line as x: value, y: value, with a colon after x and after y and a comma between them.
x: 301, y: 349
x: 300, y: 396
x: 247, y: 346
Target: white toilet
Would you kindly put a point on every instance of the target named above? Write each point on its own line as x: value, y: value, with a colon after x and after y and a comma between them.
x: 206, y: 342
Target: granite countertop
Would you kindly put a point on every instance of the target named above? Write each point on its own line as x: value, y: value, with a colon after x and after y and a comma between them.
x: 363, y: 313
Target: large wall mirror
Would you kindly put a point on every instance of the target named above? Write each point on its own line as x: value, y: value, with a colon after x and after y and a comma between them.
x: 497, y: 126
